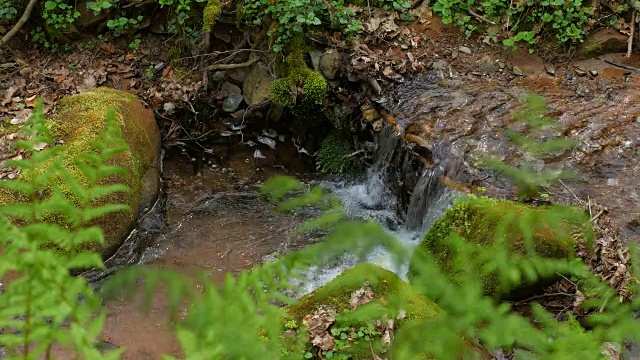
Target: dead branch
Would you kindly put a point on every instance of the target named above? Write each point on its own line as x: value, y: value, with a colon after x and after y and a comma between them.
x: 231, y: 66
x: 630, y: 40
x: 480, y: 17
x: 23, y: 19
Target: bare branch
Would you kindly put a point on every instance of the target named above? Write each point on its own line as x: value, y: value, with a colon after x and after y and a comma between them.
x: 23, y: 19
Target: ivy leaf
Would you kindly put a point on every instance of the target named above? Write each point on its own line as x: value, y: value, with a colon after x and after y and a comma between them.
x: 50, y: 5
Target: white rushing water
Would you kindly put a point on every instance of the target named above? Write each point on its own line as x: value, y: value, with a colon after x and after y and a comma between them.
x: 371, y: 199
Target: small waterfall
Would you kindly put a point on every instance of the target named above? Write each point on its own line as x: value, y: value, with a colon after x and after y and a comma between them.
x: 372, y: 199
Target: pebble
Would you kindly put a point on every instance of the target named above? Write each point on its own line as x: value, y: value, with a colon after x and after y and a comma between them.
x: 580, y: 72
x: 517, y: 71
x: 551, y: 70
x: 404, y: 47
x: 464, y: 50
x: 231, y: 103
x: 501, y: 64
x: 593, y: 73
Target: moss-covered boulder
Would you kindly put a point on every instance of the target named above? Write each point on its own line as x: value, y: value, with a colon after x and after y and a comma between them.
x: 479, y: 220
x: 388, y: 290
x: 79, y: 119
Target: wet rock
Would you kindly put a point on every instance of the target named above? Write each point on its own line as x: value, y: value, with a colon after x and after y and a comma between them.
x: 231, y: 103
x: 464, y: 50
x: 580, y: 72
x: 237, y: 75
x: 88, y: 19
x: 550, y: 69
x: 229, y: 89
x: 479, y: 220
x: 79, y: 120
x: 517, y: 71
x: 330, y: 64
x: 222, y: 34
x: 501, y: 64
x: 218, y: 76
x: 257, y: 83
x: 593, y: 73
x: 439, y: 64
x: 315, y: 55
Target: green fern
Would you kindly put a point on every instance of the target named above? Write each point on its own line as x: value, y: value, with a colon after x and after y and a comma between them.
x: 43, y: 304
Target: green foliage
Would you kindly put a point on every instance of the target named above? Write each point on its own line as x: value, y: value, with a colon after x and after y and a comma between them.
x: 288, y: 19
x: 284, y: 91
x: 567, y: 21
x: 121, y: 25
x: 335, y: 157
x: 8, y: 10
x: 243, y: 317
x: 43, y: 304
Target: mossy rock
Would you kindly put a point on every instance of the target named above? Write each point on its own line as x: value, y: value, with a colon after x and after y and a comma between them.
x: 387, y: 287
x: 78, y: 121
x: 477, y: 221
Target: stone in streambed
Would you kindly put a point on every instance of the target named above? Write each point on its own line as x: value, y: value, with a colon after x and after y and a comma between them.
x: 478, y: 221
x: 231, y: 103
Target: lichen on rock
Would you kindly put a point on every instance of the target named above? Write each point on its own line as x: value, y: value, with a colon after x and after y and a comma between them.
x: 78, y: 121
x: 478, y: 221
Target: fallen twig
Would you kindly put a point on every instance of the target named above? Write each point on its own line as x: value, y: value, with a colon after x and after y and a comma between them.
x: 572, y: 193
x: 541, y: 296
x: 630, y: 40
x: 480, y: 17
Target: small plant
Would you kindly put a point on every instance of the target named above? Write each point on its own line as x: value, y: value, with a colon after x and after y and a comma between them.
x: 8, y: 10
x: 133, y: 45
x: 123, y: 24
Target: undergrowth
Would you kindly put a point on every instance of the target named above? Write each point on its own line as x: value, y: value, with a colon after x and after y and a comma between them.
x: 528, y: 21
x: 243, y: 318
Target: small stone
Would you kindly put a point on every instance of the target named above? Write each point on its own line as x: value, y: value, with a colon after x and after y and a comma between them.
x: 270, y: 133
x: 229, y: 89
x: 330, y: 64
x: 267, y: 141
x: 439, y: 64
x: 477, y: 73
x: 222, y: 35
x: 454, y: 55
x: 464, y: 50
x: 517, y: 71
x: 231, y: 103
x: 315, y: 55
x: 218, y: 76
x: 551, y: 70
x: 238, y: 114
x: 501, y: 64
x: 237, y: 75
x: 258, y: 155
x: 404, y: 47
x: 593, y: 73
x: 580, y: 72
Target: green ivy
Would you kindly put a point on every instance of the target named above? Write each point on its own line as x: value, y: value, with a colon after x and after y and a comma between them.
x: 527, y: 20
x: 286, y: 19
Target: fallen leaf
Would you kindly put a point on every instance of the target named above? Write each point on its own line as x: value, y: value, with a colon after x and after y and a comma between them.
x: 59, y: 78
x: 361, y: 296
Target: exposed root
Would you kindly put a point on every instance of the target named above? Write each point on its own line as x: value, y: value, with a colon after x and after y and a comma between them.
x: 630, y: 40
x: 23, y: 19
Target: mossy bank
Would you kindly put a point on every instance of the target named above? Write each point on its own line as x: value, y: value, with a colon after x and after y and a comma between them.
x: 480, y: 221
x: 78, y: 121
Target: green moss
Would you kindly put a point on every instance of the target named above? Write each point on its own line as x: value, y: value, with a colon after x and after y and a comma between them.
x: 79, y: 120
x: 333, y: 157
x: 388, y: 289
x: 477, y: 220
x: 210, y: 14
x: 298, y: 74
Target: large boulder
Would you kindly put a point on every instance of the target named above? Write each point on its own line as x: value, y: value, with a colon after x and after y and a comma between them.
x: 478, y: 222
x: 78, y: 121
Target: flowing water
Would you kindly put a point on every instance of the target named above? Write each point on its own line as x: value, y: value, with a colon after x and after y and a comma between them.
x: 372, y: 199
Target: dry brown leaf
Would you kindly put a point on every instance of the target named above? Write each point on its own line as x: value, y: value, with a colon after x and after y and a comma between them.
x: 361, y: 296
x: 59, y: 78
x: 317, y: 324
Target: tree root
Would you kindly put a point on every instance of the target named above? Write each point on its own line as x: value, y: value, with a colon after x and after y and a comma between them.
x: 231, y: 66
x: 630, y: 40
